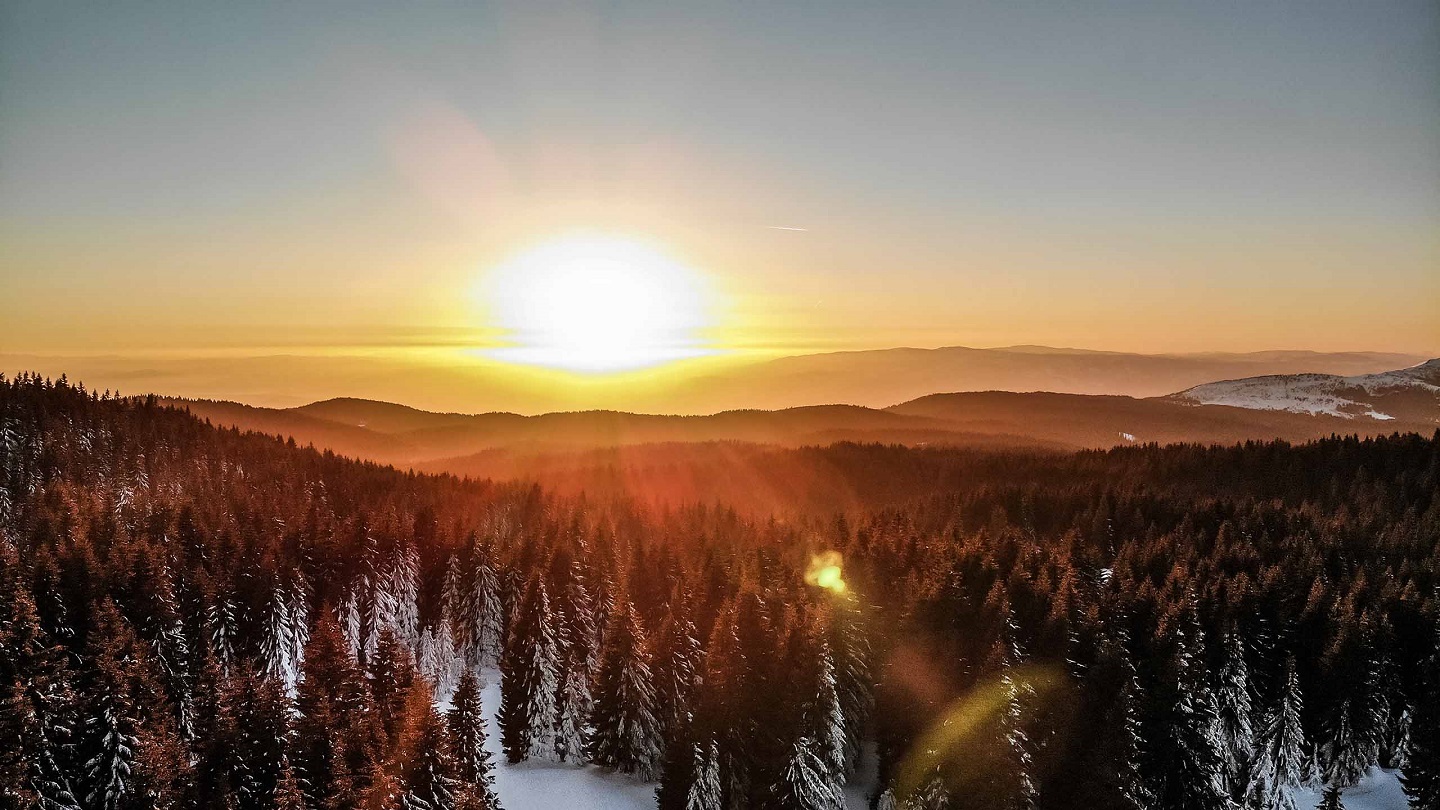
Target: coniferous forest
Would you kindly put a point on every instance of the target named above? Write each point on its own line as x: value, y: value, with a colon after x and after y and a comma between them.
x: 198, y: 617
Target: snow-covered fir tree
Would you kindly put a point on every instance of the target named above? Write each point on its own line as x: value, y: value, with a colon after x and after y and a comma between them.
x: 222, y: 623
x: 1422, y: 756
x: 275, y: 645
x: 480, y: 613
x: 704, y: 791
x: 402, y: 594
x: 392, y: 675
x: 427, y: 765
x: 530, y: 678
x: 676, y: 663
x: 625, y: 732
x: 37, y: 702
x: 573, y: 705
x: 825, y: 721
x: 261, y: 710
x: 806, y: 783
x: 1015, y: 778
x: 1183, y: 759
x: 337, y: 728
x: 437, y: 660
x: 1281, y: 751
x: 466, y: 722
x: 136, y: 759
x: 288, y: 795
x: 1232, y: 692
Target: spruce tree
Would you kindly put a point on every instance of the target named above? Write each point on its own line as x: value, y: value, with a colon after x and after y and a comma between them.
x: 136, y: 759
x: 626, y: 728
x: 337, y: 733
x: 573, y: 705
x: 288, y: 795
x: 1232, y: 700
x: 391, y: 671
x: 529, y: 678
x: 36, y: 702
x: 1280, y: 748
x: 1182, y: 758
x: 1422, y: 760
x: 704, y: 791
x: 261, y: 713
x: 427, y: 768
x: 676, y: 663
x: 467, y: 741
x: 481, y: 614
x: 805, y: 783
x: 1099, y: 766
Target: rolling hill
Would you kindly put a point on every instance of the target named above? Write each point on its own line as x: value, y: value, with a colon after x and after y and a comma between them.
x: 514, y: 445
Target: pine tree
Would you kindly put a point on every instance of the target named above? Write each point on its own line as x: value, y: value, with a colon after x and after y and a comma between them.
x: 805, y: 783
x: 423, y: 750
x: 1280, y: 754
x: 626, y: 735
x: 392, y: 674
x: 1232, y: 700
x: 467, y: 740
x: 1422, y: 766
x: 573, y: 705
x: 137, y: 759
x: 36, y: 702
x: 337, y: 731
x: 261, y: 726
x: 1182, y: 756
x: 529, y: 679
x: 481, y: 614
x: 677, y: 662
x: 704, y: 792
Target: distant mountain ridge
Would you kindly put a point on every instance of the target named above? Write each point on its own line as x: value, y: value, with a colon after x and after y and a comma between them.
x: 876, y: 378
x: 1292, y: 407
x: 879, y: 378
x: 1406, y: 395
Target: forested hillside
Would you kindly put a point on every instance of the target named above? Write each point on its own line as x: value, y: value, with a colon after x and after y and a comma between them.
x: 196, y: 617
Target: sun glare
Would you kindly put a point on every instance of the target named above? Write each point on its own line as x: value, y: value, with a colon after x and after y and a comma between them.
x: 597, y: 303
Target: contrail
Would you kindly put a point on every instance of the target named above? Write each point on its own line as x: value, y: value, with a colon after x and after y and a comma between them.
x: 783, y: 228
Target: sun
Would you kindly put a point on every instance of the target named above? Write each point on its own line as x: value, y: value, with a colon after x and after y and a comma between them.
x: 598, y: 303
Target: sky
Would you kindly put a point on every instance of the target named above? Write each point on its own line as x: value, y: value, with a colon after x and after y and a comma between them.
x: 179, y: 178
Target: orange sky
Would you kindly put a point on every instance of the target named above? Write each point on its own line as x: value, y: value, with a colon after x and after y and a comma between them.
x: 276, y: 181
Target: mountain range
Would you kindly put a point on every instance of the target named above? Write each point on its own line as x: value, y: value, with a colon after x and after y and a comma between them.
x: 1295, y: 407
x: 470, y: 382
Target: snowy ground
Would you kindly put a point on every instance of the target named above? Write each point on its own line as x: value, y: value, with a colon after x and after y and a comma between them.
x: 1379, y: 790
x: 537, y: 785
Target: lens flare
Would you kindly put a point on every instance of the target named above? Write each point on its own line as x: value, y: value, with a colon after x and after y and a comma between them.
x: 827, y: 570
x: 959, y: 748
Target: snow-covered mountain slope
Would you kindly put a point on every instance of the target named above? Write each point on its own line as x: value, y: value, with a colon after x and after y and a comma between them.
x: 1410, y: 394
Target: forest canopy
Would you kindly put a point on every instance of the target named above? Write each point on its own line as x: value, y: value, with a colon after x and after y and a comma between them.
x: 198, y: 617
